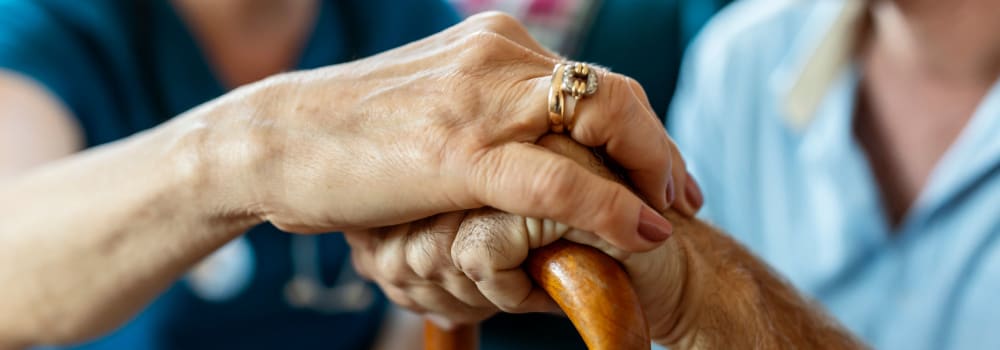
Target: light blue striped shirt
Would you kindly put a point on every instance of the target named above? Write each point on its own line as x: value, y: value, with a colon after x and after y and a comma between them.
x: 798, y: 189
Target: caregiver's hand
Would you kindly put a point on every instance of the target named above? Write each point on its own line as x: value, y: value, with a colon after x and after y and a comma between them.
x: 443, y: 124
x: 460, y: 268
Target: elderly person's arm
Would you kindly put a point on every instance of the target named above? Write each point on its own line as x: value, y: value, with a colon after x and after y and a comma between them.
x: 728, y: 298
x: 700, y: 290
x: 444, y: 124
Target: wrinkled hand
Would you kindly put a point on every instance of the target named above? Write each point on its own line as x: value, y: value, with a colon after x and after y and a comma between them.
x: 444, y: 124
x: 461, y: 268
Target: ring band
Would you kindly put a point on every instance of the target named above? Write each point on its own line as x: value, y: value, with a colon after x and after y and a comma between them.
x: 557, y: 101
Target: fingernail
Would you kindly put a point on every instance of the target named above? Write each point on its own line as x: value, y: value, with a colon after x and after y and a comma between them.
x: 693, y: 193
x: 671, y: 193
x: 652, y: 226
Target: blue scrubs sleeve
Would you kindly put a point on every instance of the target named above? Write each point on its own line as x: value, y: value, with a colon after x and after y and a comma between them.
x: 35, y: 45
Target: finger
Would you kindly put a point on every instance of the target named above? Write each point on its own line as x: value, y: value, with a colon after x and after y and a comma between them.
x: 401, y: 298
x: 409, y: 261
x: 615, y: 118
x: 389, y: 263
x: 683, y: 192
x: 528, y: 298
x: 465, y: 290
x: 427, y: 250
x: 587, y: 158
x: 673, y: 183
x: 428, y: 253
x: 640, y: 93
x: 530, y: 181
x: 490, y: 248
x: 432, y: 299
x: 593, y: 240
x: 541, y: 232
x: 693, y: 194
x: 361, y: 264
x: 508, y: 26
x: 363, y: 244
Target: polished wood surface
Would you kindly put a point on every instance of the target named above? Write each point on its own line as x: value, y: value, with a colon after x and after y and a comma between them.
x: 589, y: 286
x: 461, y: 338
x: 594, y: 291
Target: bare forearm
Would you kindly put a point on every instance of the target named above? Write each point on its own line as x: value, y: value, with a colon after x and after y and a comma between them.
x: 733, y: 300
x: 89, y: 240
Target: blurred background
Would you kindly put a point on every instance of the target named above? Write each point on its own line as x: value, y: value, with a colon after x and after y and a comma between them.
x: 644, y: 39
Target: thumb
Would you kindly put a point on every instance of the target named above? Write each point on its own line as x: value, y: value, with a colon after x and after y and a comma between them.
x: 489, y: 248
x: 531, y: 181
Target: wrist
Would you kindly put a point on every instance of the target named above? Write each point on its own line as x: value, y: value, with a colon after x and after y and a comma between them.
x: 678, y: 324
x: 212, y: 166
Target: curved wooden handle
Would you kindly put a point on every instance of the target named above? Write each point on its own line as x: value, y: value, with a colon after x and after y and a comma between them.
x: 595, y: 292
x: 589, y: 286
x: 465, y: 337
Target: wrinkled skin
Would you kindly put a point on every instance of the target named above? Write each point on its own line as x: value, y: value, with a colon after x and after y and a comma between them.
x: 444, y: 124
x: 462, y: 267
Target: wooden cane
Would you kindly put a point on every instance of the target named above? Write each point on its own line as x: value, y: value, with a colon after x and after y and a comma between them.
x: 589, y: 286
x: 464, y: 337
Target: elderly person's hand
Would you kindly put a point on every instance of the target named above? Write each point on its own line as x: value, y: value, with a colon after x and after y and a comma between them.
x: 460, y: 268
x: 444, y: 124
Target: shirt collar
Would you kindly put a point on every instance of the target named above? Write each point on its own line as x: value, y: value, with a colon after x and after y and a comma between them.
x: 815, y: 86
x: 819, y: 54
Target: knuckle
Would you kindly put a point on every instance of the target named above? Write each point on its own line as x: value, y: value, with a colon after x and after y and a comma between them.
x: 487, y: 51
x: 619, y: 104
x: 481, y: 47
x: 475, y: 253
x: 662, y: 157
x: 426, y: 258
x: 478, y: 56
x: 588, y: 135
x: 497, y: 21
x: 395, y: 272
x: 620, y: 97
x: 476, y: 273
x: 615, y: 102
x: 604, y: 214
x: 470, y: 263
x: 489, y: 242
x: 517, y: 122
x: 632, y: 83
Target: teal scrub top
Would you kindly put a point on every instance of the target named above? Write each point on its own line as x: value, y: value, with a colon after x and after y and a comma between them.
x: 125, y: 66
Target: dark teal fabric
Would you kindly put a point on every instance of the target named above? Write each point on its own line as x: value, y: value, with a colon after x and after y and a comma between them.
x: 127, y: 65
x: 645, y: 39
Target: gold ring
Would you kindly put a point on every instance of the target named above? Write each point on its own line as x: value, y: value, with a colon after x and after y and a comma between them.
x: 557, y: 101
x: 580, y: 81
